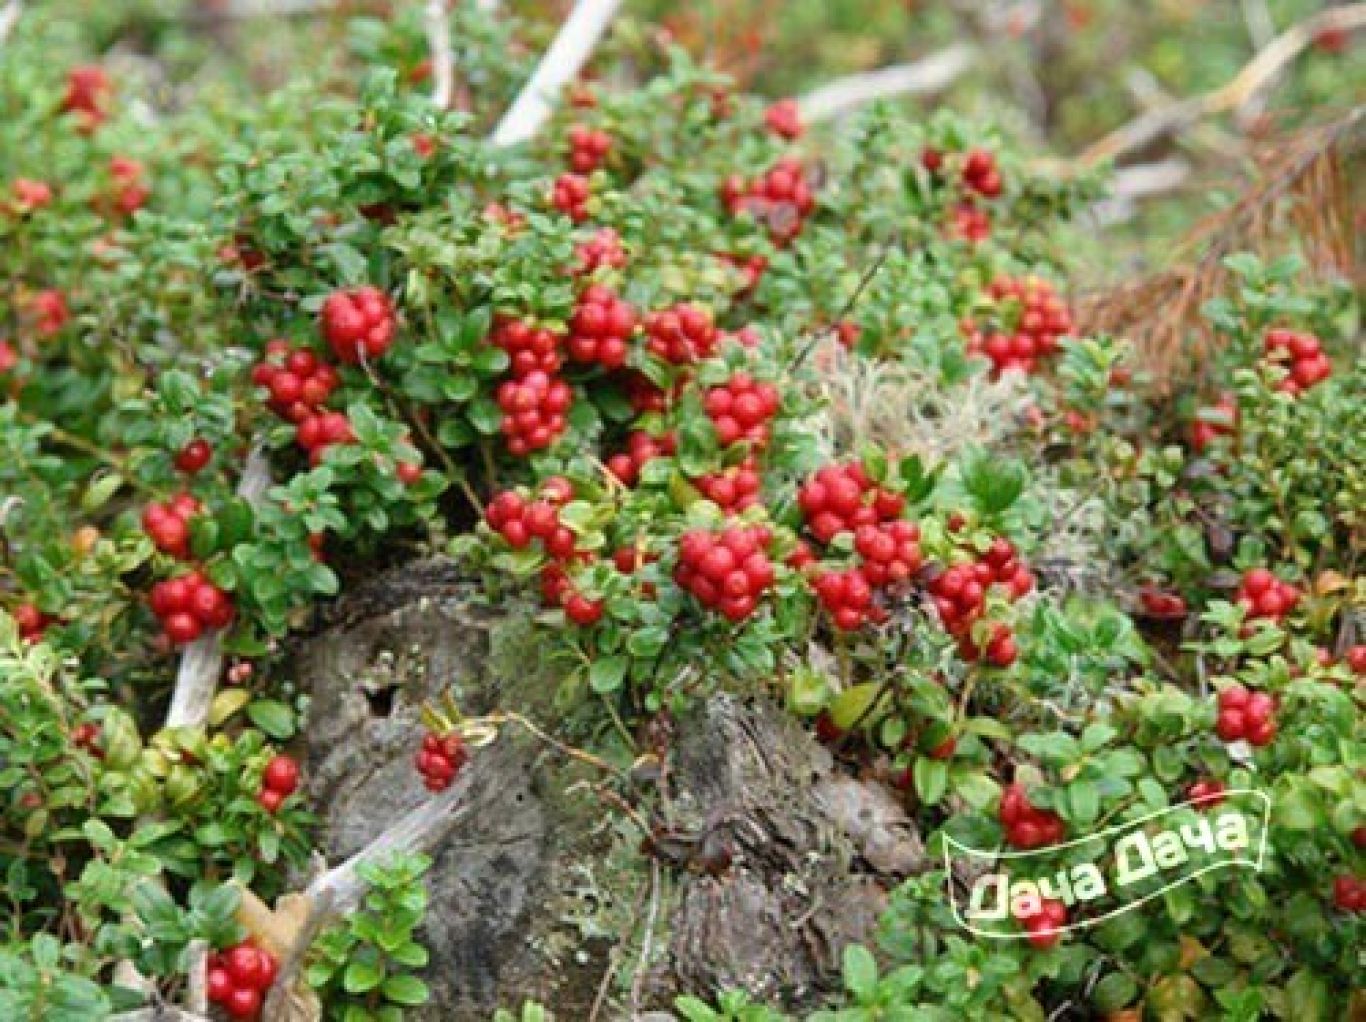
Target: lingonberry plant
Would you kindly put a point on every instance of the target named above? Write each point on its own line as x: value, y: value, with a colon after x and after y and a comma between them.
x: 702, y: 391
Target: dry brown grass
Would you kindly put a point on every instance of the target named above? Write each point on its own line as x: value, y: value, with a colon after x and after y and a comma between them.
x: 1303, y: 195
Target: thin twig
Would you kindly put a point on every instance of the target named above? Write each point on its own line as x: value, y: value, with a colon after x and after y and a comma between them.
x: 562, y: 62
x: 1237, y: 95
x: 202, y: 661
x: 931, y: 74
x: 638, y: 980
x: 9, y: 17
x: 443, y: 59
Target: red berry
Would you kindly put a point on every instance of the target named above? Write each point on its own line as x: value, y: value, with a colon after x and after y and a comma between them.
x: 358, y: 323
x: 193, y: 456
x: 243, y: 1003
x: 281, y: 774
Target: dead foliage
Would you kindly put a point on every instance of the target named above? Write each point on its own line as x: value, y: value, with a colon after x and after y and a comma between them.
x: 1301, y: 195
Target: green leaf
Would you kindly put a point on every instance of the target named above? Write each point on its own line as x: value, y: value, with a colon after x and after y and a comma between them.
x: 931, y: 779
x: 362, y: 975
x: 408, y: 991
x: 860, y: 970
x: 273, y: 717
x: 607, y: 673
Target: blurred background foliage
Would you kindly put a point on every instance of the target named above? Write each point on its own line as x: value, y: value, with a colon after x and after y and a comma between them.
x: 1054, y: 75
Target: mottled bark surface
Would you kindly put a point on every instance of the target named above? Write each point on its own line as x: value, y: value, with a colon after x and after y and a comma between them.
x: 543, y: 888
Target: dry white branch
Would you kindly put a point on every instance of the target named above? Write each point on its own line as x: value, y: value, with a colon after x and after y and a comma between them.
x: 1240, y: 95
x: 443, y: 60
x: 339, y: 891
x: 930, y: 74
x: 1132, y: 184
x: 562, y: 62
x: 9, y: 17
x: 202, y: 661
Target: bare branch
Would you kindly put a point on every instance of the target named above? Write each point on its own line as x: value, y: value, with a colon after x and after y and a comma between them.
x: 443, y: 60
x: 1238, y: 95
x: 202, y: 661
x: 1131, y: 184
x: 561, y: 63
x: 931, y: 74
x: 339, y: 890
x: 9, y: 17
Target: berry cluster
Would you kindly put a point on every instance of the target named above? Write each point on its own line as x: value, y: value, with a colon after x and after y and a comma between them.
x: 1042, y: 320
x: 784, y: 119
x: 741, y: 408
x: 321, y: 430
x: 602, y: 250
x: 521, y: 522
x: 641, y: 448
x: 86, y: 735
x: 168, y: 524
x: 1303, y: 356
x: 960, y: 592
x: 279, y: 780
x: 440, y: 759
x: 588, y: 147
x: 970, y: 223
x: 358, y: 323
x: 727, y: 570
x: 841, y: 498
x: 130, y: 185
x: 890, y: 552
x: 239, y: 977
x: 781, y: 198
x: 49, y: 312
x: 1025, y: 825
x: 1160, y: 604
x: 980, y: 173
x: 848, y: 597
x: 601, y: 327
x: 30, y: 621
x: 1265, y: 596
x: 29, y: 195
x: 1206, y: 793
x: 732, y: 489
x: 1204, y: 432
x: 535, y: 402
x: 1044, y: 925
x: 87, y: 96
x: 570, y: 195
x: 682, y: 334
x: 644, y: 394
x: 298, y: 381
x: 1245, y: 715
x: 188, y: 604
x: 1349, y: 893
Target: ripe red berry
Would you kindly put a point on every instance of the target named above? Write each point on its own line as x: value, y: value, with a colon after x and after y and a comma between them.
x: 358, y: 323
x: 30, y: 195
x: 87, y: 94
x: 30, y: 621
x: 1044, y: 925
x: 1025, y: 825
x: 1349, y: 893
x: 194, y: 456
x: 1206, y: 793
x: 281, y: 774
x: 783, y: 118
x: 243, y: 1003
